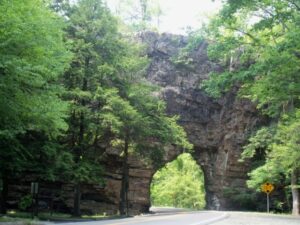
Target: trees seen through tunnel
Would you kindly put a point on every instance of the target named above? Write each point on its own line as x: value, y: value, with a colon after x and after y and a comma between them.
x: 179, y: 184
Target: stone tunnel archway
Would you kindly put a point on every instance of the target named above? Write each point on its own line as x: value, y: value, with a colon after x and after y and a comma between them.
x: 179, y: 184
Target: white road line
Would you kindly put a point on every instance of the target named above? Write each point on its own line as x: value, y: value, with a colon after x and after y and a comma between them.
x: 147, y: 220
x: 209, y: 221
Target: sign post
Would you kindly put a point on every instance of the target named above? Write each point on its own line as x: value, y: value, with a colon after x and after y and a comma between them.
x: 267, y: 188
x: 34, y: 193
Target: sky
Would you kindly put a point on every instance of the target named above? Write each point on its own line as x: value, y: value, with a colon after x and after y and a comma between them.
x: 179, y: 14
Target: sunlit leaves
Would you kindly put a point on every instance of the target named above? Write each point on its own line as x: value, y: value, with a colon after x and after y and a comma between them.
x: 283, y: 154
x: 179, y: 184
x: 261, y: 140
x: 32, y: 56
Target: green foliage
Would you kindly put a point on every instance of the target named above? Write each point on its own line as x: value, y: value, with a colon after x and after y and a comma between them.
x: 243, y: 199
x: 285, y: 150
x: 260, y: 141
x: 184, y: 56
x: 45, y: 158
x: 280, y: 145
x: 33, y: 56
x: 218, y: 84
x: 179, y: 184
x: 261, y: 56
x: 277, y: 148
x: 25, y: 202
x: 100, y: 55
x: 268, y: 172
x: 86, y: 171
x: 141, y: 118
x: 139, y: 15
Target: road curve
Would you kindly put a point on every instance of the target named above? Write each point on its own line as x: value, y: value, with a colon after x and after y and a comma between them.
x: 166, y: 218
x: 182, y: 217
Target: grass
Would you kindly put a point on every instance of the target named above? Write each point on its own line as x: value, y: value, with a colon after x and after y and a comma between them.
x: 26, y: 217
x: 6, y: 219
x: 19, y: 221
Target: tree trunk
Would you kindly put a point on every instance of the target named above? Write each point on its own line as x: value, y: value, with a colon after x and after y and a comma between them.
x: 78, y: 154
x: 144, y: 9
x: 4, y: 192
x: 124, y: 187
x: 77, y: 199
x: 295, y: 192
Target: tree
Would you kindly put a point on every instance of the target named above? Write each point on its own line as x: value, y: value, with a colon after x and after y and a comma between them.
x: 102, y: 84
x: 139, y: 125
x: 104, y: 61
x: 32, y: 56
x: 285, y: 152
x: 140, y: 15
x: 96, y: 46
x: 282, y: 157
x: 257, y: 42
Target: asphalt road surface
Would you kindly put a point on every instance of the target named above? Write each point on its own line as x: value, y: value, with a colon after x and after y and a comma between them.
x: 178, y: 217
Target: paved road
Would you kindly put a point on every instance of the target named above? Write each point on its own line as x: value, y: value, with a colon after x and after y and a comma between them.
x: 169, y: 217
x: 243, y: 218
x: 166, y: 218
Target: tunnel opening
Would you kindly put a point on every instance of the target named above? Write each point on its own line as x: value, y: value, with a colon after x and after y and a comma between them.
x: 179, y: 184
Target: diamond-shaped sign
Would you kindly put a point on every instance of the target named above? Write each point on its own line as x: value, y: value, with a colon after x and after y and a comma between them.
x: 267, y: 187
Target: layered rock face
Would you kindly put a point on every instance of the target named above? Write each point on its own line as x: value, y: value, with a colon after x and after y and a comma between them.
x: 217, y: 128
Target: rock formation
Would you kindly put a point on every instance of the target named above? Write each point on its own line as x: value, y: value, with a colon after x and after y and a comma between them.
x: 217, y: 128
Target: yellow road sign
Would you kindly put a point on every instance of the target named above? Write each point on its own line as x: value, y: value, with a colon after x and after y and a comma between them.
x: 267, y: 187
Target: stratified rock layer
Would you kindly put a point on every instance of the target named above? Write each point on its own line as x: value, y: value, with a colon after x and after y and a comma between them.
x: 217, y: 128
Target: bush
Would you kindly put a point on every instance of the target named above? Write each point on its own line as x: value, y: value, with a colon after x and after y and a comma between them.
x: 25, y: 202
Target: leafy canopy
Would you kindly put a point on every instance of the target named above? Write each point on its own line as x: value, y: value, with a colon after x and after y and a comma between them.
x: 33, y: 56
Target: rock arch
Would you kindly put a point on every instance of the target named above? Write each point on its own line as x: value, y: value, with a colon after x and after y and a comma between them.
x: 217, y: 128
